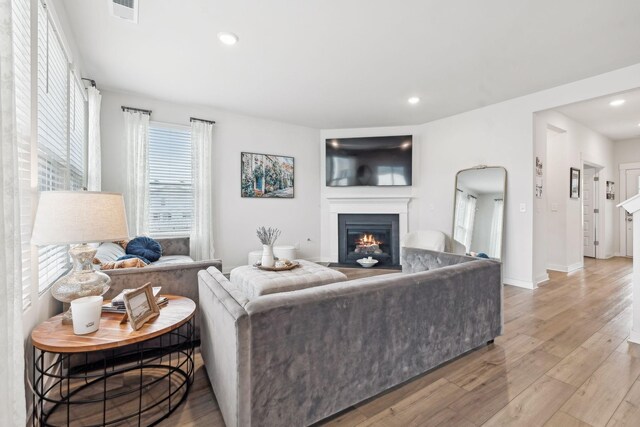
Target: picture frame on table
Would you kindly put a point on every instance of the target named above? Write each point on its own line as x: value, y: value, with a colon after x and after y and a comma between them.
x: 574, y: 183
x: 141, y: 306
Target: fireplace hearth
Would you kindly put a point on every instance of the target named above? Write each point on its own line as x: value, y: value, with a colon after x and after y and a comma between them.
x: 369, y: 235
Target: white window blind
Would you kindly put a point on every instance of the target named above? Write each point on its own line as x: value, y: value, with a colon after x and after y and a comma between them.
x: 170, y: 186
x: 22, y: 65
x: 61, y: 134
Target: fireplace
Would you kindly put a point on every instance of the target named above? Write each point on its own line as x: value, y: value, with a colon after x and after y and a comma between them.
x: 369, y: 235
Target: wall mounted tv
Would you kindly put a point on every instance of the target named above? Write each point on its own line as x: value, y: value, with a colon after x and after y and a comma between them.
x: 370, y: 161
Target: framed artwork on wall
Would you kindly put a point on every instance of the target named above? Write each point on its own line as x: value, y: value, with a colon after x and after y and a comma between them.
x: 574, y: 183
x: 611, y: 192
x: 266, y: 176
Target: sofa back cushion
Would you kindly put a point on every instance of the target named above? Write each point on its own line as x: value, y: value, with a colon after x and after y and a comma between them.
x: 416, y: 260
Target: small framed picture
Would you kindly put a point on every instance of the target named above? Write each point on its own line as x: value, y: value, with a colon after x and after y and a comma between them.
x: 574, y: 183
x: 611, y: 192
x: 141, y: 306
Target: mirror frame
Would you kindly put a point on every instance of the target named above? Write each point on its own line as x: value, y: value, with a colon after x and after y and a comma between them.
x: 504, y: 191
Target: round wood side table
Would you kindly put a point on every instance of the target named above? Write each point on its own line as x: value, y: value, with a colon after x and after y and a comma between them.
x: 114, y: 376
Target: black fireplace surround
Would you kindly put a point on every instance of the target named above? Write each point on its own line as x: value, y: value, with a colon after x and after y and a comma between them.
x: 369, y: 235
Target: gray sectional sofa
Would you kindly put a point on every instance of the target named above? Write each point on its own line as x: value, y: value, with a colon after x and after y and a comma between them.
x: 176, y: 272
x: 294, y: 358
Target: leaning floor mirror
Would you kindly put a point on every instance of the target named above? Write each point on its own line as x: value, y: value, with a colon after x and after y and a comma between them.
x: 478, y: 217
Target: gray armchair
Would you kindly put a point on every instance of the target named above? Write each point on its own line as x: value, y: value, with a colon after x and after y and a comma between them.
x: 176, y: 272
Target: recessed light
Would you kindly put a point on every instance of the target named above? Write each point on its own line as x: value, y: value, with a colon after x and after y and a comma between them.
x: 227, y: 38
x: 413, y: 100
x: 617, y: 102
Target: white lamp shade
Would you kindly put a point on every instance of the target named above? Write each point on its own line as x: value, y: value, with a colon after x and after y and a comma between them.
x: 67, y: 217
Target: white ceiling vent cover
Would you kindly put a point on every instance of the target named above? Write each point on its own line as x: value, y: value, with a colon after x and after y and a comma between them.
x: 125, y: 9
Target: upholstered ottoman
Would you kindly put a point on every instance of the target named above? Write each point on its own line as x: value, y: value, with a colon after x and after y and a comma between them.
x: 254, y: 282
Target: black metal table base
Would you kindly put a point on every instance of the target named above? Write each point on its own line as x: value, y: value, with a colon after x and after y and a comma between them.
x: 141, y: 384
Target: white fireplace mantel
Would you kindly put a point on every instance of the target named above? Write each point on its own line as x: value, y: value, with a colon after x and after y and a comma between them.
x: 365, y: 205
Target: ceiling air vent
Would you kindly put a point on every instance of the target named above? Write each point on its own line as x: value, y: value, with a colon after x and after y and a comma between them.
x: 125, y: 9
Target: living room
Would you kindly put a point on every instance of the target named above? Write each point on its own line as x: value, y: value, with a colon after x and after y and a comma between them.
x: 286, y: 83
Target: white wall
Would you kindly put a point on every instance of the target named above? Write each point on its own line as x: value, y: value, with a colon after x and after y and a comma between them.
x: 570, y: 144
x: 627, y: 151
x: 235, y: 219
x: 498, y: 135
x: 555, y: 176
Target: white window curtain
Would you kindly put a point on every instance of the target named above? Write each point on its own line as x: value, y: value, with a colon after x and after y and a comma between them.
x: 94, y: 169
x: 469, y: 221
x: 201, y: 239
x: 136, y: 128
x: 495, y: 243
x: 12, y: 392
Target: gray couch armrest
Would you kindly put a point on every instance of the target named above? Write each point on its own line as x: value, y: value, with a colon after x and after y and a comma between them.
x: 175, y: 279
x: 225, y: 346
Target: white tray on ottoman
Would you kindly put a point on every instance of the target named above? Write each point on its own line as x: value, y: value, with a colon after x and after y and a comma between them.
x: 255, y: 282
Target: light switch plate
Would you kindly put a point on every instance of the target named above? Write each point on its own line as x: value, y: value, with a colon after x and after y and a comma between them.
x: 523, y: 207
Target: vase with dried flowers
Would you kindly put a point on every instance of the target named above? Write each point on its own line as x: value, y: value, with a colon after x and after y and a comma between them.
x: 268, y: 237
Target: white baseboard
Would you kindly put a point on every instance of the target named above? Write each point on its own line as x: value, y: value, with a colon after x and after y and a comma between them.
x: 566, y: 268
x: 518, y: 283
x: 542, y: 279
x: 634, y: 337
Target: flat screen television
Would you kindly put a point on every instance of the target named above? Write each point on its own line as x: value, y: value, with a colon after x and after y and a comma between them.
x: 370, y: 161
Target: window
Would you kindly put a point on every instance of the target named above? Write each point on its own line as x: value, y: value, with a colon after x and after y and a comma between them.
x: 170, y: 187
x: 22, y: 64
x: 61, y: 134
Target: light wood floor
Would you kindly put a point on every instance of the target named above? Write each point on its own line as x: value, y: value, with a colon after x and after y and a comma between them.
x: 563, y: 361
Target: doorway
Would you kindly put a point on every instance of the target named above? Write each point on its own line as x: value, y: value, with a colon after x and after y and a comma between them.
x: 630, y: 186
x: 590, y: 211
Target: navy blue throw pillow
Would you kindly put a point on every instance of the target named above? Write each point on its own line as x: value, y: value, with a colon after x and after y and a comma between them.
x: 145, y: 247
x: 146, y: 261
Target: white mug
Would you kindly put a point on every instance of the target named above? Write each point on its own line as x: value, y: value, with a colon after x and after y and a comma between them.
x: 86, y: 312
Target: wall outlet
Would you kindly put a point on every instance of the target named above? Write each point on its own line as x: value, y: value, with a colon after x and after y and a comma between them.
x: 523, y: 207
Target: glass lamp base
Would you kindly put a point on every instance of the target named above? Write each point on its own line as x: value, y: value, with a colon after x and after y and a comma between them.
x: 82, y: 281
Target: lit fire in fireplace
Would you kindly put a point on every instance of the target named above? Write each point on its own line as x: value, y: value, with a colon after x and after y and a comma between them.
x: 367, y: 244
x: 368, y: 240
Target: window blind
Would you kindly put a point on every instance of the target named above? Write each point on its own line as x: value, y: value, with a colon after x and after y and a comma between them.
x: 170, y: 186
x: 21, y: 21
x: 61, y: 134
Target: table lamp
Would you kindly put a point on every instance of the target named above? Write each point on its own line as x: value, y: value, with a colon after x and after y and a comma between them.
x: 79, y: 217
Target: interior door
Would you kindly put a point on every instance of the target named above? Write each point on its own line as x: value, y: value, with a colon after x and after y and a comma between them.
x: 633, y: 187
x: 588, y: 209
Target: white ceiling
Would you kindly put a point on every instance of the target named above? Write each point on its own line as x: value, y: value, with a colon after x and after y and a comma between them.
x: 616, y: 123
x: 332, y: 64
